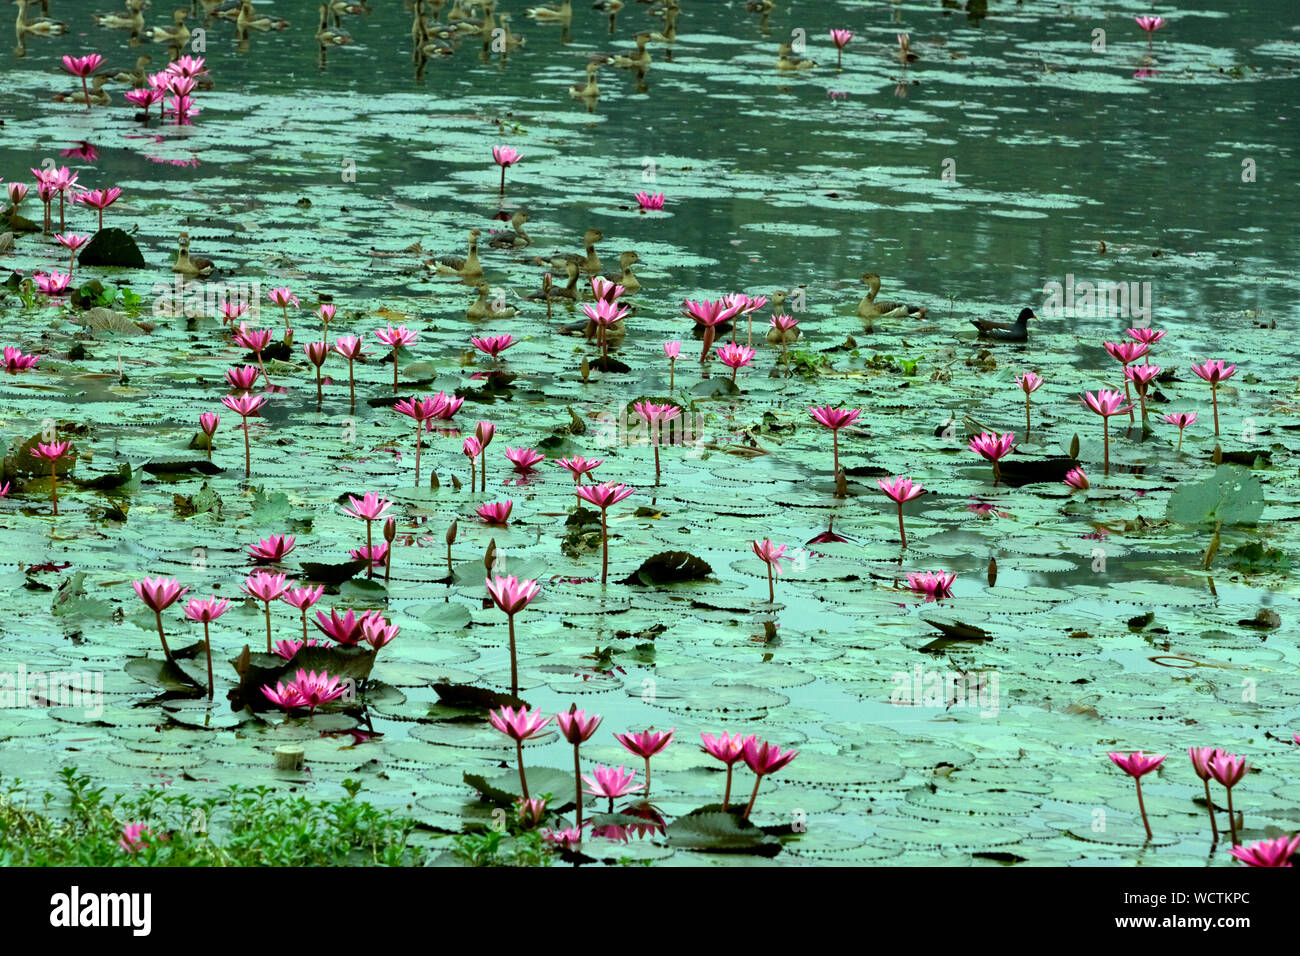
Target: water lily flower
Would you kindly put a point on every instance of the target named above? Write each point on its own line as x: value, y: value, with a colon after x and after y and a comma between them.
x: 1106, y: 403
x: 449, y: 406
x: 519, y: 725
x: 256, y: 341
x: 728, y: 749
x: 377, y: 632
x: 1214, y: 372
x: 471, y: 448
x: 901, y: 490
x: 612, y: 783
x: 1150, y: 25
x: 709, y: 315
x: 493, y: 345
x: 1228, y: 769
x: 206, y: 612
x: 511, y: 595
x: 284, y: 297
x: 655, y: 416
x: 606, y: 290
x: 231, y: 311
x: 1076, y: 478
x: 144, y: 98
x: 672, y: 350
x: 16, y: 361
x: 782, y: 329
x: 346, y: 630
x: 1147, y: 337
x: 484, y: 431
x: 841, y: 39
x: 244, y: 406
x: 351, y: 348
x: 158, y: 594
x: 396, y: 338
x: 505, y: 157
x: 605, y: 314
x: 420, y: 411
x: 1137, y: 765
x: 496, y: 512
x: 935, y: 585
x: 565, y: 839
x: 1201, y: 757
x: 17, y: 193
x: 242, y: 378
x: 577, y: 726
x: 53, y: 452
x: 83, y: 67
x: 1275, y: 852
x: 325, y: 312
x: 650, y: 202
x: 1029, y: 383
x: 303, y: 598
x: 369, y: 508
x: 645, y: 745
x: 1126, y: 352
x: 317, y: 689
x: 266, y: 587
x: 993, y: 447
x: 763, y: 759
x: 735, y: 356
x: 1141, y: 376
x: 1182, y: 420
x: 99, y: 199
x: 579, y: 466
x: 72, y: 242
x: 835, y: 419
x: 524, y: 459
x: 282, y: 696
x: 770, y: 554
x: 316, y: 354
x: 602, y: 496
x: 54, y: 283
x: 273, y: 548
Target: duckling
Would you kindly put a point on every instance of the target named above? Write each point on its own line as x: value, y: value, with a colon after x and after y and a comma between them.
x: 327, y: 37
x: 132, y: 20
x: 176, y: 35
x: 440, y: 45
x: 764, y: 10
x: 40, y: 26
x: 639, y: 61
x: 226, y: 10
x: 611, y: 7
x: 98, y: 95
x: 590, y: 91
x: 200, y: 268
x: 514, y: 238
x: 786, y: 62
x: 669, y: 33
x: 563, y: 14
x: 869, y: 308
x: 467, y: 268
x: 139, y: 77
x: 568, y: 291
x: 484, y: 309
x: 509, y: 41
x: 247, y: 19
x: 461, y: 10
x: 904, y: 52
x: 625, y: 276
x: 590, y: 262
x: 340, y: 7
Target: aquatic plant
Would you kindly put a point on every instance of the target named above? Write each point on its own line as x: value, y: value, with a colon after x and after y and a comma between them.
x: 524, y: 459
x: 245, y: 406
x: 83, y: 67
x: 303, y: 598
x: 511, y: 595
x: 835, y: 419
x: 1182, y: 420
x: 1142, y: 376
x: 351, y: 348
x: 1275, y: 852
x: 519, y: 725
x: 421, y: 411
x: 316, y: 353
x: 505, y: 157
x: 53, y: 452
x: 1201, y: 757
x: 770, y: 554
x: 99, y: 200
x: 764, y: 759
x: 1077, y: 479
x: 256, y: 341
x: 266, y: 587
x: 900, y: 490
x: 1029, y: 383
x: 579, y: 466
x: 496, y: 512
x: 935, y: 585
x: 728, y: 749
x: 602, y: 496
x: 369, y: 508
x: 471, y: 448
x: 396, y: 339
x: 72, y: 242
x: 1228, y: 769
x: 577, y: 726
x: 841, y: 39
x: 272, y: 549
x: 645, y: 745
x: 650, y: 202
x: 158, y: 594
x: 735, y: 357
x: 207, y: 612
x: 612, y: 783
x: 993, y: 447
x: 655, y: 416
x: 1214, y: 372
x: 484, y: 431
x: 1106, y: 403
x: 1136, y: 765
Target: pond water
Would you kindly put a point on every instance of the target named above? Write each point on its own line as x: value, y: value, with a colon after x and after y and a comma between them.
x: 1020, y: 149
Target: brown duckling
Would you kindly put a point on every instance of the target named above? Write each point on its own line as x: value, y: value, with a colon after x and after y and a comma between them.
x: 563, y: 14
x: 132, y: 20
x: 640, y: 60
x: 226, y: 10
x: 248, y: 19
x: 139, y: 77
x: 611, y: 7
x: 36, y: 26
x: 625, y: 277
x: 187, y: 266
x: 551, y: 292
x: 869, y: 308
x: 340, y: 7
x: 589, y: 91
x: 515, y: 237
x: 669, y: 33
x: 904, y: 52
x: 786, y: 62
x: 176, y: 35
x: 485, y: 308
x: 467, y: 268
x: 590, y: 262
x: 98, y: 95
x: 509, y: 41
x: 327, y: 37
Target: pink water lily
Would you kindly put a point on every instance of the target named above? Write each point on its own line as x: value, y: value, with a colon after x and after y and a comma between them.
x: 524, y: 459
x: 1201, y: 757
x: 763, y: 759
x: 602, y: 496
x: 351, y: 348
x: 1141, y: 376
x: 231, y: 310
x: 1275, y: 852
x: 346, y: 630
x: 242, y: 378
x: 273, y: 548
x: 493, y: 345
x: 728, y: 749
x: 1150, y: 25
x: 770, y: 554
x: 841, y: 39
x: 1076, y: 479
x: 283, y: 297
x: 656, y: 416
x: 313, y: 689
x: 735, y: 357
x: 993, y: 447
x: 672, y: 350
x: 421, y: 411
x: 99, y: 200
x: 901, y: 490
x: 72, y: 242
x: 396, y: 339
x: 1147, y: 337
x: 935, y: 585
x: 604, y: 315
x: 53, y: 452
x: 1029, y: 383
x: 1106, y: 403
x: 709, y: 315
x: 650, y: 202
x: 505, y: 157
x: 377, y: 632
x: 325, y: 312
x: 1137, y: 765
x: 208, y: 422
x: 369, y: 508
x: 645, y: 745
x: 577, y: 727
x: 1182, y: 420
x: 158, y: 594
x: 612, y: 783
x: 206, y: 612
x: 83, y: 67
x: 1228, y: 770
x: 511, y: 595
x: 579, y: 466
x: 303, y: 598
x: 471, y: 448
x: 1214, y: 372
x: 835, y: 419
x: 16, y: 361
x: 245, y: 406
x: 266, y: 587
x: 496, y: 512
x: 519, y: 725
x: 316, y: 353
x: 53, y: 283
x: 256, y: 341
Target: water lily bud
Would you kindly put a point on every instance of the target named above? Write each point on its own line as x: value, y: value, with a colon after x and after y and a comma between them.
x: 451, y: 534
x: 390, y: 530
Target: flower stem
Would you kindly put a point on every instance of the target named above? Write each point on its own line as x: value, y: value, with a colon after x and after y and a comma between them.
x: 370, y: 554
x: 248, y: 461
x: 1142, y: 806
x: 604, y: 539
x: 726, y: 794
x: 771, y: 585
x: 647, y: 779
x: 267, y: 605
x: 901, y: 533
x: 514, y: 662
x: 1209, y: 802
x: 577, y: 781
x: 1214, y: 398
x: 207, y: 646
x: 752, y: 797
x: 162, y: 637
x: 1232, y: 819
x: 523, y: 781
x: 419, y: 427
x: 54, y: 486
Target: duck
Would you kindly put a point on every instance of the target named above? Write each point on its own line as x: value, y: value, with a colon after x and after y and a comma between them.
x: 340, y: 7
x: 176, y: 35
x: 869, y: 308
x: 1017, y: 331
x: 225, y: 10
x: 590, y: 262
x: 327, y: 37
x: 625, y: 277
x: 132, y: 20
x: 515, y: 237
x: 612, y: 7
x: 904, y: 52
x: 138, y: 77
x: 785, y: 61
x: 764, y: 10
x: 460, y: 10
x: 563, y: 14
x: 551, y: 291
x: 467, y: 267
x: 194, y: 268
x: 669, y: 33
x: 248, y: 19
x: 98, y: 95
x: 483, y: 308
x: 640, y: 60
x: 590, y: 91
x: 39, y: 26
x: 509, y: 41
